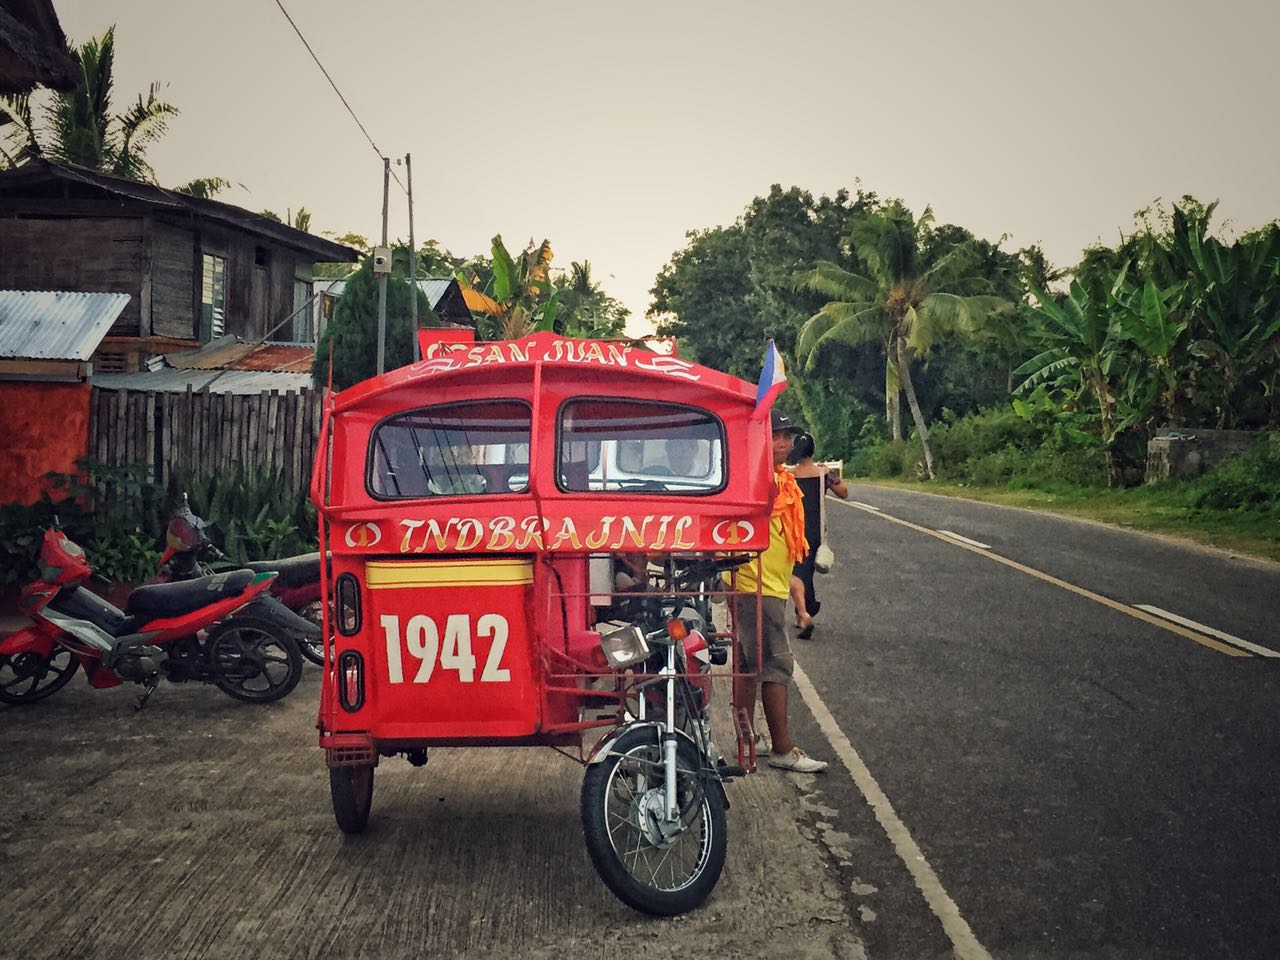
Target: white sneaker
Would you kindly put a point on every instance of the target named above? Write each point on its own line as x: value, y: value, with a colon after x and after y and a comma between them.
x: 797, y: 761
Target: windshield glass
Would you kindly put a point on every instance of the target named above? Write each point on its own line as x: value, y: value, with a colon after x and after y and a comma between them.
x: 641, y: 446
x: 456, y: 449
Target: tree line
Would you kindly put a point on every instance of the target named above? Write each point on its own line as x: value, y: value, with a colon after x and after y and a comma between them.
x: 871, y: 303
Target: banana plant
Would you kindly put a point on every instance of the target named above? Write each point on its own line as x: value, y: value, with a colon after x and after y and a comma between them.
x: 1084, y: 355
x: 1238, y: 309
x: 1153, y: 319
x: 520, y: 298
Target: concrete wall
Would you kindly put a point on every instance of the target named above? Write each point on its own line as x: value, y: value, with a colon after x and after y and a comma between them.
x: 46, y: 428
x: 1181, y: 451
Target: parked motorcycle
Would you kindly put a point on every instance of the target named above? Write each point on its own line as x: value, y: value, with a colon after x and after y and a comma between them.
x: 653, y: 800
x: 225, y: 630
x: 190, y: 554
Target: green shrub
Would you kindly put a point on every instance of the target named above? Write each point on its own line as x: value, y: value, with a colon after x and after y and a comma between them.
x: 110, y: 511
x: 23, y: 526
x: 252, y: 513
x: 881, y: 459
x: 1250, y: 481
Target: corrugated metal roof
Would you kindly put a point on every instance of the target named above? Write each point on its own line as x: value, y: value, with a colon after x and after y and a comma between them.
x: 56, y: 324
x: 279, y: 357
x: 218, y: 354
x: 232, y: 353
x: 230, y: 381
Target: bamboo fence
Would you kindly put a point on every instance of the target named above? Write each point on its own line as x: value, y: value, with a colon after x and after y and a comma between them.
x: 198, y: 433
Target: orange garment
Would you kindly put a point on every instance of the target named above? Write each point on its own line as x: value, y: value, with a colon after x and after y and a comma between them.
x: 789, y: 506
x: 786, y: 542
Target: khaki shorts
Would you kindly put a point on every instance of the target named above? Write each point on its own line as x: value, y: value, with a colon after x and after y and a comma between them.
x: 778, y: 664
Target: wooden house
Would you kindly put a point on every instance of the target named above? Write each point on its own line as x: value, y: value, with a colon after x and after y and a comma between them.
x: 33, y: 48
x: 196, y: 270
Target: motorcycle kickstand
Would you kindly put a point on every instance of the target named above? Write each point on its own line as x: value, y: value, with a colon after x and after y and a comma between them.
x: 150, y: 683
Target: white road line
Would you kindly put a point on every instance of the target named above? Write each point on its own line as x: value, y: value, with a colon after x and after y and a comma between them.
x: 973, y: 543
x: 865, y: 506
x: 1127, y: 609
x: 1234, y: 641
x: 944, y: 908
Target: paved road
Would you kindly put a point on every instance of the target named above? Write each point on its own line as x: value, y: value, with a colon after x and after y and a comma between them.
x: 1083, y: 782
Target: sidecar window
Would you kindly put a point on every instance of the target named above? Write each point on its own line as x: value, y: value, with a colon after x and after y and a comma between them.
x: 639, y: 446
x: 452, y: 449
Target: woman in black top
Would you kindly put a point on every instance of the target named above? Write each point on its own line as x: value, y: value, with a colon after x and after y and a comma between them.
x: 814, y: 481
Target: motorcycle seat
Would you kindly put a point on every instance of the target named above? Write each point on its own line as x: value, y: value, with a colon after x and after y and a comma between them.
x: 175, y: 599
x: 294, y: 571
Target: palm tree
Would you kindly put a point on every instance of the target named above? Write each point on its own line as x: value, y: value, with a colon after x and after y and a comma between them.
x: 203, y: 188
x: 79, y: 127
x: 585, y: 309
x: 17, y: 138
x: 903, y: 303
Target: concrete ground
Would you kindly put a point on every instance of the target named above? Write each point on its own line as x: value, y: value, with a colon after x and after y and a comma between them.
x: 202, y: 827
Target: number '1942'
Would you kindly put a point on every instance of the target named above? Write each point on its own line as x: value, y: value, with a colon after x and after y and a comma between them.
x: 449, y: 649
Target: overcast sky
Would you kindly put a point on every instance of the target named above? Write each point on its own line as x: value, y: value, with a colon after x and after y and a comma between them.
x: 613, y: 128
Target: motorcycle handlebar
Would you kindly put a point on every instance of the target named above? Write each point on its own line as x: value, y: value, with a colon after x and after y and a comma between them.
x: 706, y: 569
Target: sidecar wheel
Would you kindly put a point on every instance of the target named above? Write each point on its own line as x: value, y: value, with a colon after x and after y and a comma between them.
x: 29, y: 677
x: 250, y: 660
x: 351, y: 789
x: 654, y: 868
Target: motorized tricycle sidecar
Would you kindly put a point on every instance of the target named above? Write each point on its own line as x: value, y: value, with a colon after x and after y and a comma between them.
x: 475, y: 505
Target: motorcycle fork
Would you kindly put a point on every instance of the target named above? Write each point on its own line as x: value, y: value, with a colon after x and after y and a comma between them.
x: 669, y: 739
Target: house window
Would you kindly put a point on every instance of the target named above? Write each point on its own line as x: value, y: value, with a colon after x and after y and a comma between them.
x: 302, y: 328
x: 213, y: 297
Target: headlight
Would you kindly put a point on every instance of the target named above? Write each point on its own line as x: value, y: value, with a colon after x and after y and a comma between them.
x: 624, y: 647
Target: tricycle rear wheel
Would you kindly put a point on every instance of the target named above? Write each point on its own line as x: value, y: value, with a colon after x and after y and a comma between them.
x: 653, y: 867
x: 351, y: 789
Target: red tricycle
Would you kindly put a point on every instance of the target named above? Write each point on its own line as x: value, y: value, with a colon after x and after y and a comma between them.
x: 526, y: 539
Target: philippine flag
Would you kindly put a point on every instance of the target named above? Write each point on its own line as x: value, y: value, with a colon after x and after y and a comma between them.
x: 773, y: 380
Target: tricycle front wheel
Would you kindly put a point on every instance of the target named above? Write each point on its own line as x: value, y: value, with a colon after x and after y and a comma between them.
x: 652, y: 864
x: 352, y: 791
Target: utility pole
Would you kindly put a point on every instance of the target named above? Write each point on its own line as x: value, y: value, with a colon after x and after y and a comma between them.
x: 382, y: 277
x: 413, y: 261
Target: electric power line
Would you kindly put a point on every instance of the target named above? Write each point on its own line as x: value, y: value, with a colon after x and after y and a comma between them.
x: 376, y: 148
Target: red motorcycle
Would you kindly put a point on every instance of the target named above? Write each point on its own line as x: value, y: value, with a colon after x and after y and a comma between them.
x: 187, y: 556
x: 225, y: 630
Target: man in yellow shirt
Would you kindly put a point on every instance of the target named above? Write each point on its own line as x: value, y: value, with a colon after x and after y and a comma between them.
x: 786, y: 546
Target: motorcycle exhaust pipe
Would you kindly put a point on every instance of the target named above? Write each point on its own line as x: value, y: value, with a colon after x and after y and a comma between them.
x: 298, y: 628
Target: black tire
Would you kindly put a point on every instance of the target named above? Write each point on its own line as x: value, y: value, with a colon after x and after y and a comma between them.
x: 28, y: 677
x: 655, y: 874
x: 351, y: 789
x: 251, y: 660
x: 313, y: 650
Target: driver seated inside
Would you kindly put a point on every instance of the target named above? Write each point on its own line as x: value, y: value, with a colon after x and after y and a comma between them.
x: 681, y: 452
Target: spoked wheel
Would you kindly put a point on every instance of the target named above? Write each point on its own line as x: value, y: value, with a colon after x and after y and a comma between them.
x: 313, y: 650
x: 252, y: 661
x: 652, y: 864
x: 28, y: 677
x: 352, y: 791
